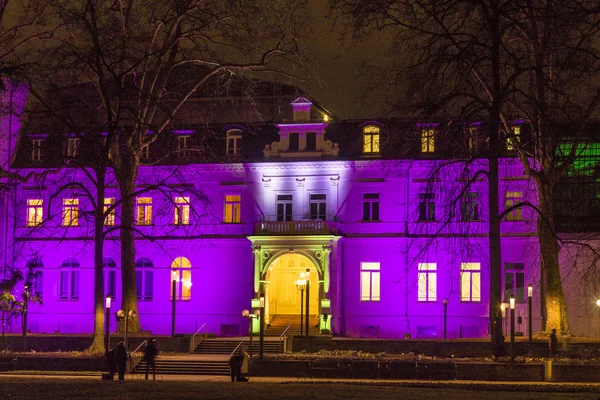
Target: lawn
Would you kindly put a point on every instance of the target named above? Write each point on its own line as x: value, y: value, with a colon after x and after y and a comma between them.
x: 61, y: 388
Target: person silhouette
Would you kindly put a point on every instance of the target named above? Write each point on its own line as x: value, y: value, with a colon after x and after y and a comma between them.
x: 150, y: 353
x: 121, y: 360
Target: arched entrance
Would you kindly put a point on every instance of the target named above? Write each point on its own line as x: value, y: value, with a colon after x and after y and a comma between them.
x: 281, y: 295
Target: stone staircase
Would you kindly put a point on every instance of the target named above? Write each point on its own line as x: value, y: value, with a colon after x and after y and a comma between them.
x: 225, y: 346
x: 185, y: 366
x: 280, y: 322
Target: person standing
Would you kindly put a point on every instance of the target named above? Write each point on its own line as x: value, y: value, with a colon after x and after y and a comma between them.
x: 150, y: 353
x: 235, y: 366
x: 121, y: 360
x: 553, y: 344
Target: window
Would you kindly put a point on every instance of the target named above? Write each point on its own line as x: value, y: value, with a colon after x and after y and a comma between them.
x: 35, y: 212
x: 513, y: 138
x: 110, y: 277
x: 144, y: 210
x: 144, y: 279
x: 284, y: 207
x: 294, y: 142
x: 427, y: 280
x: 34, y: 267
x: 427, y: 140
x: 370, y: 206
x: 469, y: 210
x: 70, y: 212
x: 145, y: 152
x: 234, y: 142
x: 311, y: 141
x: 69, y: 280
x: 511, y: 199
x: 426, y: 207
x: 318, y: 206
x: 36, y: 150
x: 470, y: 282
x: 182, y: 211
x: 371, y: 139
x: 232, y: 209
x: 370, y: 281
x: 473, y: 139
x: 182, y: 145
x: 72, y: 147
x: 514, y: 281
x: 182, y: 273
x: 109, y: 219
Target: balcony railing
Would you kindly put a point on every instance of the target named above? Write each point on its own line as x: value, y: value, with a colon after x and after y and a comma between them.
x: 306, y: 227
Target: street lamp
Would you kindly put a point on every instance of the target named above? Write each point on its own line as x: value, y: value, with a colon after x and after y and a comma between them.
x: 598, y: 304
x: 503, y: 309
x: 512, y: 328
x: 107, y: 317
x: 307, y: 276
x: 246, y: 314
x: 445, y: 303
x: 262, y: 327
x: 301, y: 286
x: 126, y: 315
x: 530, y: 319
x: 174, y: 280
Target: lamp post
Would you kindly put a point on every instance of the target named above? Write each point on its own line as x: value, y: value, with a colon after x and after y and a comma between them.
x: 246, y: 314
x: 107, y: 317
x: 445, y: 303
x: 174, y: 279
x: 307, y: 275
x: 126, y: 315
x: 503, y: 309
x: 529, y: 319
x: 512, y: 328
x: 301, y: 286
x: 262, y: 327
x: 598, y: 304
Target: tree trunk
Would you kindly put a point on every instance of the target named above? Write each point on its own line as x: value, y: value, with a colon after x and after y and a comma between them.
x: 97, y: 346
x: 127, y: 175
x: 554, y: 307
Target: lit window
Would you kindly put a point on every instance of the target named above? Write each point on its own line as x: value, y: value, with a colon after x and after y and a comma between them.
x: 36, y: 150
x: 109, y: 219
x: 427, y: 140
x: 427, y: 282
x: 69, y: 279
x: 72, y: 147
x: 426, y: 207
x: 35, y: 212
x: 181, y: 272
x: 469, y: 210
x: 284, y: 207
x: 370, y: 206
x: 182, y: 211
x: 514, y: 281
x: 144, y: 279
x: 144, y: 210
x: 318, y: 207
x: 232, y: 209
x: 371, y: 139
x: 110, y: 277
x: 511, y: 199
x: 513, y: 138
x: 470, y: 282
x: 370, y: 282
x: 234, y: 142
x: 145, y: 152
x: 70, y: 212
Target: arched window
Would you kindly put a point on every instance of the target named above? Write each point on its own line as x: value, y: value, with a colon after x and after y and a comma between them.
x: 110, y: 277
x: 34, y: 276
x: 371, y: 139
x: 144, y: 279
x: 234, y: 142
x: 69, y: 280
x: 181, y: 272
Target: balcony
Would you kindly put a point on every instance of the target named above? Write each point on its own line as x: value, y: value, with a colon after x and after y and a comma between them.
x: 302, y: 227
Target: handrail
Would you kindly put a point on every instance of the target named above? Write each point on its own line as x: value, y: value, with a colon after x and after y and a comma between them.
x: 281, y: 338
x: 193, y: 341
x: 145, y: 342
x: 237, y: 347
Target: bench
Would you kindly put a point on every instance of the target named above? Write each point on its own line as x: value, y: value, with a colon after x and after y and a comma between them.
x: 441, y: 371
x: 329, y: 368
x: 365, y: 369
x: 400, y: 370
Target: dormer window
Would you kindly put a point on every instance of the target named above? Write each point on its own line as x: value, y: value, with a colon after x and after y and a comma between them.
x: 513, y: 137
x: 182, y: 144
x: 371, y: 139
x: 473, y: 139
x: 36, y: 150
x: 72, y: 147
x: 427, y: 140
x: 234, y: 142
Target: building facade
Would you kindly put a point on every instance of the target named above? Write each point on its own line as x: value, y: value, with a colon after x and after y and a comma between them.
x: 388, y: 242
